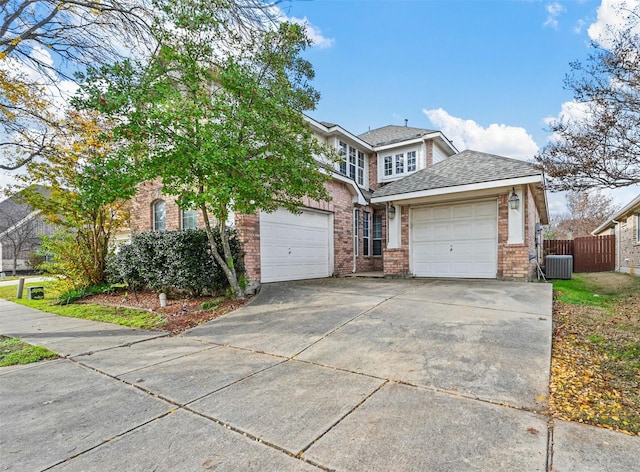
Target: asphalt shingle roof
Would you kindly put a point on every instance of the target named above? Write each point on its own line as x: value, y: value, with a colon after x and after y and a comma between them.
x: 393, y: 134
x: 467, y: 167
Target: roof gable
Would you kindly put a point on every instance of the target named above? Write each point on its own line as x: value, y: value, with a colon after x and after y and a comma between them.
x: 467, y: 167
x: 393, y: 134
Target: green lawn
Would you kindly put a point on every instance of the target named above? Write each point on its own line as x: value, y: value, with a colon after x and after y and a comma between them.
x: 14, y: 351
x: 117, y: 315
x: 595, y: 367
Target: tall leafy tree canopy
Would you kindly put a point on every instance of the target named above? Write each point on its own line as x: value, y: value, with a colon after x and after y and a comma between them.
x: 217, y: 115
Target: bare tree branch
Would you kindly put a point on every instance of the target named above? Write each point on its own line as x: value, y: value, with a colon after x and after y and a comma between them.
x: 600, y: 148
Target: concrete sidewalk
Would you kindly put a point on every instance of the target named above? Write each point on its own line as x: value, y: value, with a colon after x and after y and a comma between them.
x: 319, y: 375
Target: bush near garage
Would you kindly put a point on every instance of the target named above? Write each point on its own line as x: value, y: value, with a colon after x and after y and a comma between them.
x: 166, y: 261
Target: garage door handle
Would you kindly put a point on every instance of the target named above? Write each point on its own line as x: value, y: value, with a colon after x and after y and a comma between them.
x: 451, y: 248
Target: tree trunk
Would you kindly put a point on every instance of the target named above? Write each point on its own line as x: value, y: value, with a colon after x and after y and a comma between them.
x: 226, y: 262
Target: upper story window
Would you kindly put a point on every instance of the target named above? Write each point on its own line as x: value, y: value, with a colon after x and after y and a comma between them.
x: 189, y: 219
x: 399, y: 164
x: 411, y: 161
x: 159, y: 215
x: 352, y: 162
x: 388, y: 165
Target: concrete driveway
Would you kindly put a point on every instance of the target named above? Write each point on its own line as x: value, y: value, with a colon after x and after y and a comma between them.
x: 334, y: 374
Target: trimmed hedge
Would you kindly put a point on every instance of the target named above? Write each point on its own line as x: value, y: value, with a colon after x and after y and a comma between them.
x: 173, y: 260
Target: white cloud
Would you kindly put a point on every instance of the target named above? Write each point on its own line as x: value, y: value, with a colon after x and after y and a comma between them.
x: 612, y: 14
x: 314, y: 33
x: 554, y: 10
x: 500, y: 139
x: 579, y: 26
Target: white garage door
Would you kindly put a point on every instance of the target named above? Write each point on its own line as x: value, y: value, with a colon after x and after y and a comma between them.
x: 455, y: 240
x: 294, y: 247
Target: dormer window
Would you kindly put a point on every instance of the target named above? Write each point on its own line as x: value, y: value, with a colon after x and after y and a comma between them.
x: 388, y: 166
x: 411, y: 161
x: 399, y: 164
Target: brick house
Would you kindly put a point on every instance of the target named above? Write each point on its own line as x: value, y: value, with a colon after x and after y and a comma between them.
x: 625, y: 225
x: 404, y: 202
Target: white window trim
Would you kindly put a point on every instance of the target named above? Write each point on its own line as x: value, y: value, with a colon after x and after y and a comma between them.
x: 346, y: 151
x: 638, y: 228
x: 373, y: 238
x: 366, y: 234
x: 393, y: 155
x: 182, y: 215
x: 153, y: 212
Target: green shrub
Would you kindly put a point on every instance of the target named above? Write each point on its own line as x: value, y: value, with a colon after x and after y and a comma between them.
x: 172, y: 260
x: 73, y: 295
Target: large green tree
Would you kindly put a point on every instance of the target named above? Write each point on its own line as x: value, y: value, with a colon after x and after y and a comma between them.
x: 217, y: 115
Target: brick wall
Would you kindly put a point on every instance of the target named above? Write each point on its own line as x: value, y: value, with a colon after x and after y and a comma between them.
x: 373, y: 171
x: 628, y: 246
x: 429, y: 146
x: 513, y: 259
x: 142, y: 208
x: 248, y: 227
x: 396, y: 261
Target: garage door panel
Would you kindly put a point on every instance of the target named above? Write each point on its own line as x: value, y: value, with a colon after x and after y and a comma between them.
x: 487, y: 209
x: 294, y: 247
x: 440, y: 214
x: 462, y: 211
x: 455, y: 241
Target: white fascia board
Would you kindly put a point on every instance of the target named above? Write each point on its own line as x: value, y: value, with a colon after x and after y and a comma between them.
x: 316, y: 124
x: 420, y: 140
x: 338, y: 130
x: 458, y: 189
x: 620, y: 213
x: 408, y: 142
x: 356, y: 190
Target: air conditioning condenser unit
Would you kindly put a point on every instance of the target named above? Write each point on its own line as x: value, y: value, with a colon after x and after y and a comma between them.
x: 559, y: 267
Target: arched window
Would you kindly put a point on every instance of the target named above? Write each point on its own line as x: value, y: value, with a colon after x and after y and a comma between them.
x: 159, y: 215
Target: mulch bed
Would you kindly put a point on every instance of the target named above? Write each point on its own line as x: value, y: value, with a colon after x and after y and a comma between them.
x: 180, y: 314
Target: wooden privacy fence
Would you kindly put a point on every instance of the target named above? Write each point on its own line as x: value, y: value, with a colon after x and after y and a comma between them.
x: 590, y: 254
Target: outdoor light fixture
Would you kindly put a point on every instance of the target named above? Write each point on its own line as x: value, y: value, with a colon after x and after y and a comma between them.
x: 514, y: 201
x: 392, y: 212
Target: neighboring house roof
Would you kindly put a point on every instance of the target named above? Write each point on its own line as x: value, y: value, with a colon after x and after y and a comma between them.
x: 632, y: 207
x: 465, y: 168
x: 9, y: 208
x: 15, y: 207
x: 393, y: 134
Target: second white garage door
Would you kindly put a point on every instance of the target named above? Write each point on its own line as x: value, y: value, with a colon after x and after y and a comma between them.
x: 295, y: 247
x: 455, y: 240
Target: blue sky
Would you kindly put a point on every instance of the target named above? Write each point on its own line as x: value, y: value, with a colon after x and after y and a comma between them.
x: 487, y: 73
